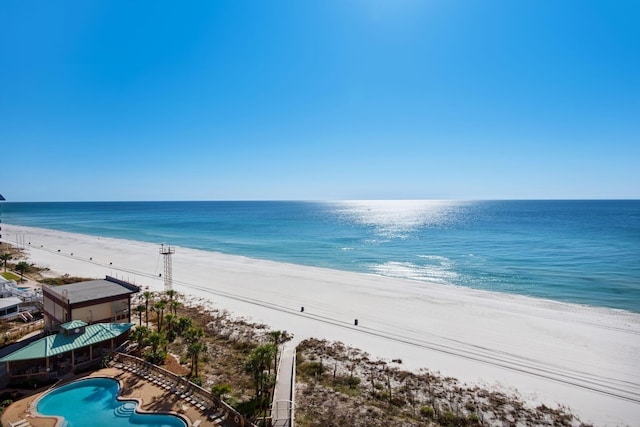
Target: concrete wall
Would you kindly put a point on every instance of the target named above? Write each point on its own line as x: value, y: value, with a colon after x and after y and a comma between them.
x: 104, y: 312
x: 55, y: 310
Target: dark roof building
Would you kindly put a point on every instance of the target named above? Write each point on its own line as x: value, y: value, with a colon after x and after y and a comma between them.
x: 93, y: 301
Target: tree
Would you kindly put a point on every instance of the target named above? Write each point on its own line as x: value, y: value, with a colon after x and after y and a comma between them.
x: 23, y: 267
x: 259, y: 361
x: 277, y: 337
x: 170, y: 293
x: 183, y: 324
x: 193, y: 334
x: 193, y: 337
x: 139, y: 309
x: 159, y: 307
x: 140, y: 334
x: 6, y: 256
x: 221, y: 390
x: 170, y: 326
x: 194, y: 350
x: 156, y: 341
x: 173, y: 306
x: 147, y: 296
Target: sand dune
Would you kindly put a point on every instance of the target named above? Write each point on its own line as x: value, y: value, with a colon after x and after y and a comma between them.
x: 553, y: 353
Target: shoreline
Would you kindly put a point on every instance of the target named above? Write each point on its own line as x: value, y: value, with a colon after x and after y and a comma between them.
x: 552, y: 352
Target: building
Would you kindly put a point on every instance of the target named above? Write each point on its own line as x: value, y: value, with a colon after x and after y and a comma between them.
x: 78, y: 346
x: 95, y: 301
x: 9, y: 308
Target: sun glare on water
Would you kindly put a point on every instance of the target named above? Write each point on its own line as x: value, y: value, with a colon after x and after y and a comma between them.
x: 399, y: 218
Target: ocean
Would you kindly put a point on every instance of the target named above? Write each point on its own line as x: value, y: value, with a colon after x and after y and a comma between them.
x: 584, y: 252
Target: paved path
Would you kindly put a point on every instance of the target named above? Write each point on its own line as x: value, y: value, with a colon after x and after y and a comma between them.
x: 282, y: 408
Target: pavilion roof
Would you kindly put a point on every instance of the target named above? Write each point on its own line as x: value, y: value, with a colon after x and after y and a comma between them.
x: 61, y: 343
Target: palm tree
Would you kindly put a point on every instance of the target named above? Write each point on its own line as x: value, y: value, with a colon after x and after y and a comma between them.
x: 6, y: 256
x: 173, y: 305
x: 147, y: 296
x: 257, y: 363
x: 194, y: 350
x: 139, y: 309
x: 140, y: 334
x: 170, y: 293
x: 156, y: 340
x: 22, y: 267
x: 193, y: 334
x: 220, y: 390
x: 183, y: 324
x: 159, y: 307
x: 277, y: 337
x: 170, y: 325
x: 173, y: 300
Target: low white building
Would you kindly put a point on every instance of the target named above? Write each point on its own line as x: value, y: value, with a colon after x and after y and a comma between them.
x: 9, y: 288
x: 10, y: 308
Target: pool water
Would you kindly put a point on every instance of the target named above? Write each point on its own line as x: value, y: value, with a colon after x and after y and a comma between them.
x: 92, y: 402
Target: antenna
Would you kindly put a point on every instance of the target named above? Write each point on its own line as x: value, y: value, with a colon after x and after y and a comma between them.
x: 167, y: 251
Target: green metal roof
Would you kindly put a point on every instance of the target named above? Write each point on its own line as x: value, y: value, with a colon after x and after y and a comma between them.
x: 74, y: 324
x: 61, y: 343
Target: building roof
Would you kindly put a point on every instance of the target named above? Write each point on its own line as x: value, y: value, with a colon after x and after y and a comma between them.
x: 9, y: 302
x: 61, y: 343
x: 93, y: 290
x: 74, y: 324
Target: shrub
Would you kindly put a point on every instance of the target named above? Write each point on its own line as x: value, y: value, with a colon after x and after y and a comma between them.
x: 448, y: 418
x: 427, y: 412
x: 310, y: 369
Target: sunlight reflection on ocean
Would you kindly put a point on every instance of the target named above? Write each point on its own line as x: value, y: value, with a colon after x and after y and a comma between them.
x: 399, y: 218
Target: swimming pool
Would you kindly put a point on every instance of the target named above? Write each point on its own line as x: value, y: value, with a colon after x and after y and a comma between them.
x: 93, y: 402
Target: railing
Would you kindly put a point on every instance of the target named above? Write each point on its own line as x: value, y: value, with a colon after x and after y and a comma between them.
x: 143, y: 367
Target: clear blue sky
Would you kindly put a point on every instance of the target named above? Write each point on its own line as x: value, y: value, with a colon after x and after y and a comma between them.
x: 319, y: 99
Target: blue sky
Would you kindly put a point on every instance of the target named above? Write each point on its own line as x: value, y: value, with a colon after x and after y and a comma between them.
x: 319, y: 99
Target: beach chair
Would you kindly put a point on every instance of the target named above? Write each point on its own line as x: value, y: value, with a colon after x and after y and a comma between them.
x: 215, y: 417
x: 179, y: 389
x: 197, y: 423
x: 20, y: 423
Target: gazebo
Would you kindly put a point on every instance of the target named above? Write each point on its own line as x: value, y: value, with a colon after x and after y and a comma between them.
x: 76, y: 347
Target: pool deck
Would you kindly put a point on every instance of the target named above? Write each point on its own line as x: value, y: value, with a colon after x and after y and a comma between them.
x: 153, y: 398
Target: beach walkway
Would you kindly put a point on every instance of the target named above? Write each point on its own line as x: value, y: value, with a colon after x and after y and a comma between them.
x: 282, y: 406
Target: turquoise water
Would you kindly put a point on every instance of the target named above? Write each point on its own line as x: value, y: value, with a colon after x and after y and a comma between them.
x: 580, y: 251
x: 92, y: 402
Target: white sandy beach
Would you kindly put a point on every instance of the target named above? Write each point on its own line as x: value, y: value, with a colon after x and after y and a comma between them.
x: 553, y: 353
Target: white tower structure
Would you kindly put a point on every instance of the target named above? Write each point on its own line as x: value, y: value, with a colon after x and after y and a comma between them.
x: 167, y: 251
x: 2, y: 199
